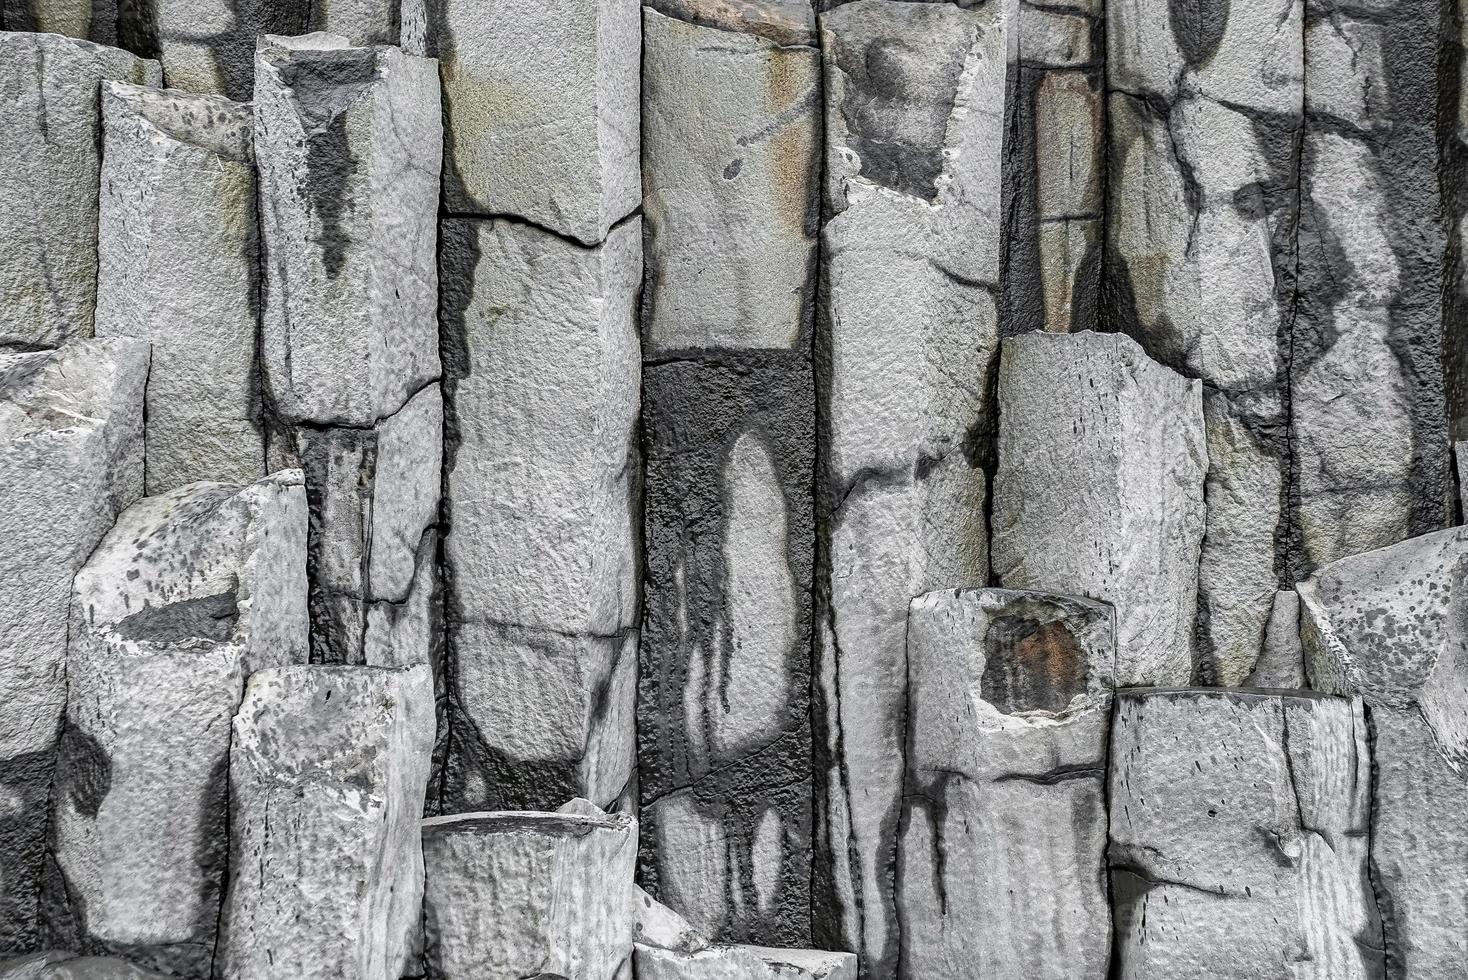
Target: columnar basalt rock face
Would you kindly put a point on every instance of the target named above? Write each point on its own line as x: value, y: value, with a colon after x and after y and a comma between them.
x: 529, y: 894
x: 208, y: 46
x: 1282, y: 660
x: 178, y: 260
x: 328, y: 773
x: 1239, y: 833
x: 60, y: 965
x: 71, y: 459
x: 542, y: 367
x: 92, y: 20
x: 731, y: 124
x: 1099, y: 490
x: 1368, y: 417
x: 50, y: 137
x: 1002, y: 863
x: 1054, y: 168
x: 187, y: 595
x: 1388, y: 626
x: 366, y: 22
x: 1205, y: 111
x: 731, y: 962
x: 540, y: 110
x: 905, y: 353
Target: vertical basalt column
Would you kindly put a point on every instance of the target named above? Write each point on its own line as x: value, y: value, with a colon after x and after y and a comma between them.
x: 731, y: 165
x: 178, y: 266
x: 906, y: 341
x: 91, y: 20
x: 50, y: 140
x: 1204, y: 128
x: 1002, y: 866
x: 348, y: 145
x: 159, y: 653
x: 1099, y: 490
x: 208, y: 46
x: 1054, y: 168
x: 1368, y: 419
x: 366, y: 22
x: 71, y: 459
x: 1239, y: 834
x: 1388, y: 626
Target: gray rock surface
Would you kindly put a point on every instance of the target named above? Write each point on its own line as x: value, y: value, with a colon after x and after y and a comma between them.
x: 525, y: 894
x: 734, y: 962
x: 71, y: 459
x: 366, y: 22
x: 1204, y: 115
x: 1282, y: 660
x: 347, y: 142
x: 178, y: 261
x: 50, y: 137
x: 1001, y: 870
x: 60, y: 965
x: 1099, y: 490
x: 328, y: 773
x: 160, y: 647
x: 1239, y: 829
x: 657, y: 926
x: 540, y: 110
x: 905, y: 356
x: 208, y: 46
x: 1387, y: 625
x: 91, y: 20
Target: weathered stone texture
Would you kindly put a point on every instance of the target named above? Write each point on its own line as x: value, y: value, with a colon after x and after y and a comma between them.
x: 1001, y: 869
x: 188, y: 594
x: 731, y: 962
x: 540, y: 110
x: 1239, y: 834
x: 208, y: 46
x: 1099, y: 490
x: 657, y: 926
x: 348, y: 146
x: 59, y: 965
x: 366, y: 22
x: 71, y: 459
x: 905, y: 354
x: 50, y: 138
x: 328, y: 773
x: 1282, y: 660
x: 91, y: 20
x: 178, y: 258
x: 1388, y: 626
x: 529, y: 894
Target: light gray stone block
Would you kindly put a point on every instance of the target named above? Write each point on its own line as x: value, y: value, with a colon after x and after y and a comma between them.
x: 71, y: 459
x: 178, y: 260
x: 328, y: 773
x: 540, y: 110
x: 91, y: 20
x: 208, y: 46
x: 50, y: 137
x: 735, y: 962
x: 1001, y: 871
x: 1282, y: 661
x: 1239, y: 829
x: 158, y: 656
x: 657, y: 926
x: 403, y: 23
x: 347, y: 143
x: 59, y: 965
x: 522, y: 894
x: 1099, y: 490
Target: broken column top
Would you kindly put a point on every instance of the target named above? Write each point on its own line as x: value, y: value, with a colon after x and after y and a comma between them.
x: 785, y: 22
x: 211, y: 122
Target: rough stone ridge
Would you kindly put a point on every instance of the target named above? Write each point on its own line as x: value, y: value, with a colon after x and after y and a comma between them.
x: 525, y: 894
x: 905, y: 352
x: 1240, y: 822
x: 731, y: 962
x: 1001, y: 869
x: 178, y: 261
x: 1099, y: 490
x: 71, y: 459
x: 328, y: 774
x: 50, y: 137
x: 186, y: 596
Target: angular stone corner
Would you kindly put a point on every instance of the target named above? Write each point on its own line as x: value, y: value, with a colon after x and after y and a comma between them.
x: 657, y: 926
x: 208, y: 46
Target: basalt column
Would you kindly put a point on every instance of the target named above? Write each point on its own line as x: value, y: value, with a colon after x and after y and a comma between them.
x: 541, y: 263
x: 1204, y: 122
x: 1368, y: 417
x: 348, y: 145
x: 731, y: 164
x: 905, y: 349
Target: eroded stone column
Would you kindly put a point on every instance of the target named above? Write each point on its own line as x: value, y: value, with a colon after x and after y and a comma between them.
x: 71, y: 459
x: 526, y: 894
x: 50, y: 138
x: 731, y: 142
x: 1204, y: 119
x: 1003, y: 856
x: 1099, y: 490
x: 1239, y: 831
x: 328, y: 772
x: 1388, y: 626
x: 348, y: 144
x: 159, y: 653
x: 541, y: 476
x: 178, y: 261
x: 905, y: 350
